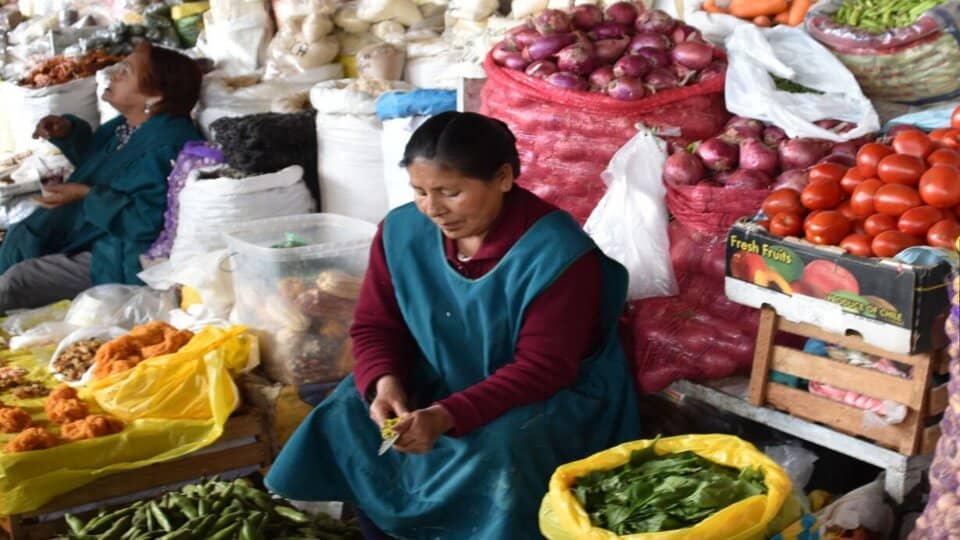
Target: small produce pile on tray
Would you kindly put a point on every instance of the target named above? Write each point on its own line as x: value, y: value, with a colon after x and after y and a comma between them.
x: 215, y: 510
x: 881, y: 15
x: 62, y: 69
x: 762, y: 13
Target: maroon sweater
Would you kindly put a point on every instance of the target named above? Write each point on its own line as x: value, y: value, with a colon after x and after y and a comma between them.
x: 560, y: 327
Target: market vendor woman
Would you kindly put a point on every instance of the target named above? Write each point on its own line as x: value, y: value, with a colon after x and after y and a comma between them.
x: 93, y: 229
x: 488, y: 323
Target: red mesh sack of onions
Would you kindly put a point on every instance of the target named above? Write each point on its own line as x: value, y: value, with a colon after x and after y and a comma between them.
x: 573, y: 86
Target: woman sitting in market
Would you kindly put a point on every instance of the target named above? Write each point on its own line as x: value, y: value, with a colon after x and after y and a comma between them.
x: 93, y: 229
x: 487, y: 324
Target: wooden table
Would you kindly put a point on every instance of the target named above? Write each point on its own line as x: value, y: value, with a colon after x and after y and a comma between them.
x: 243, y: 448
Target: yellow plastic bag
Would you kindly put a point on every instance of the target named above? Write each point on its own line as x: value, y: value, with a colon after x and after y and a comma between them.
x: 563, y: 518
x: 172, y: 405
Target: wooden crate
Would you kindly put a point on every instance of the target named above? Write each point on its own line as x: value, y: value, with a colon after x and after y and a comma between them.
x: 243, y: 445
x: 910, y: 437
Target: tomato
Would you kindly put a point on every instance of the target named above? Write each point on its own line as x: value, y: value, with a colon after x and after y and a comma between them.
x: 861, y: 201
x: 955, y: 119
x: 869, y: 156
x: 826, y: 228
x: 823, y: 195
x: 901, y: 169
x: 782, y: 200
x: 944, y: 234
x: 851, y: 180
x: 879, y: 223
x: 826, y: 171
x: 847, y: 210
x: 913, y: 143
x: 944, y: 156
x: 857, y: 227
x: 945, y: 137
x: 895, y: 199
x: 940, y: 186
x: 857, y: 244
x: 889, y: 243
x: 786, y: 224
x: 917, y: 221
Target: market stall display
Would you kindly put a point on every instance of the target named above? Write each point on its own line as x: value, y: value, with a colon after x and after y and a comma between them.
x: 899, y: 51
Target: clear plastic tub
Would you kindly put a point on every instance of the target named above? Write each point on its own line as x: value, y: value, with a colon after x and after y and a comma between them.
x: 296, y: 280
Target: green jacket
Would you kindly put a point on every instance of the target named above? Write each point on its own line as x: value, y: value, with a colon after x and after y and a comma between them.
x: 123, y: 213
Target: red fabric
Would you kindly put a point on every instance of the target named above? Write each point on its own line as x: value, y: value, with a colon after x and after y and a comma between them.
x: 560, y: 329
x: 698, y: 334
x: 566, y: 138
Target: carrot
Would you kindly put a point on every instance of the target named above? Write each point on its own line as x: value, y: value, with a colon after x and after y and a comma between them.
x: 748, y: 9
x: 763, y: 21
x: 782, y: 17
x: 798, y: 10
x: 710, y: 6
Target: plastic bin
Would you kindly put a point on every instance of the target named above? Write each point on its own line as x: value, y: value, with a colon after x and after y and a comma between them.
x: 300, y: 300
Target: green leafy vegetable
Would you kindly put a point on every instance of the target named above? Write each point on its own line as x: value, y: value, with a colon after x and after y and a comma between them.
x: 655, y: 493
x: 787, y: 85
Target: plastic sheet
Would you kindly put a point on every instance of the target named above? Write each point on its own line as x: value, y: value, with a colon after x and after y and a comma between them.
x: 566, y: 138
x: 562, y: 517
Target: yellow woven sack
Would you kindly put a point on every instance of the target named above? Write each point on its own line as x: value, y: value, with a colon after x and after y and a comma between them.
x: 563, y: 518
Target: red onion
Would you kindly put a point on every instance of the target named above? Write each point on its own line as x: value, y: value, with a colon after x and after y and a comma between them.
x: 684, y: 74
x: 522, y: 37
x: 608, y: 50
x: 552, y: 21
x: 692, y: 54
x: 586, y: 16
x: 827, y: 123
x: 848, y: 148
x: 740, y: 129
x: 601, y: 78
x: 607, y: 30
x: 582, y: 38
x: 541, y: 69
x: 840, y: 159
x: 501, y: 51
x: 655, y: 21
x: 685, y: 32
x: 631, y: 66
x: 649, y: 39
x: 627, y: 89
x: 623, y: 13
x: 658, y: 58
x: 900, y: 128
x: 747, y: 179
x: 773, y: 136
x: 802, y: 153
x: 717, y: 68
x: 660, y: 79
x: 576, y: 59
x: 795, y: 179
x: 754, y: 127
x: 516, y: 62
x: 756, y: 156
x: 718, y: 155
x: 547, y: 46
x: 683, y: 169
x: 567, y: 81
x: 711, y: 183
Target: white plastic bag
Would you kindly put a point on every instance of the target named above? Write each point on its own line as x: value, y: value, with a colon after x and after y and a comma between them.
x: 630, y: 222
x: 103, y: 333
x: 208, y: 274
x: 791, y: 54
x: 27, y: 106
x: 351, y: 166
x: 208, y: 206
x: 715, y: 27
x: 396, y: 133
x: 125, y: 306
x: 797, y: 461
x: 22, y: 321
x: 238, y: 46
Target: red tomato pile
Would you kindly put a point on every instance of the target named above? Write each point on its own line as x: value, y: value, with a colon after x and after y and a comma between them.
x: 899, y: 195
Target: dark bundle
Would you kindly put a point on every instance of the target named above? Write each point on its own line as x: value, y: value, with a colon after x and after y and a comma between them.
x: 268, y: 142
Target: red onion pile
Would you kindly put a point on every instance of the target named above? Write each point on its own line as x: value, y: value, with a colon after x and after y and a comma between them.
x: 626, y: 52
x: 750, y: 155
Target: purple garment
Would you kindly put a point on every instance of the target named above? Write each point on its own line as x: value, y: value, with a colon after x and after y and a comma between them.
x: 195, y: 155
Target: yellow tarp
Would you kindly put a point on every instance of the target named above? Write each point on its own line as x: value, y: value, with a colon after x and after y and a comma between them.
x: 173, y: 405
x: 563, y: 518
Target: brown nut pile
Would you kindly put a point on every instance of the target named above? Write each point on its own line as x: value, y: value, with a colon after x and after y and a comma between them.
x: 30, y: 390
x: 11, y: 377
x: 77, y: 358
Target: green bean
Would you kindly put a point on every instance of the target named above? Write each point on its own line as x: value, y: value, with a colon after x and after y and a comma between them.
x: 160, y: 517
x: 75, y: 523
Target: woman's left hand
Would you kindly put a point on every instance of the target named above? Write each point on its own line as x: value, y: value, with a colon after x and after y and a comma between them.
x: 420, y: 429
x: 62, y: 194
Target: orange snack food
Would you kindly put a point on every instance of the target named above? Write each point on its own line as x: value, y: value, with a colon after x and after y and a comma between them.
x: 143, y: 342
x: 31, y: 439
x: 14, y: 419
x: 62, y: 405
x: 95, y: 425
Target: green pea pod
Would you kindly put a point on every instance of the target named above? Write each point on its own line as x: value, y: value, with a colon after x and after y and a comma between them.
x: 227, y: 519
x: 179, y: 534
x: 249, y: 531
x: 115, y: 532
x: 160, y: 517
x: 186, y: 506
x: 75, y: 523
x: 202, y: 509
x: 205, y: 525
x: 293, y: 515
x: 227, y: 532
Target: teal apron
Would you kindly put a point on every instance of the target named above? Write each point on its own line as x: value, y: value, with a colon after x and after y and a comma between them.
x: 488, y: 484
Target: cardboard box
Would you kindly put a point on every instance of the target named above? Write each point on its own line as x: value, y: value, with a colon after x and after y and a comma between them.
x: 895, y: 306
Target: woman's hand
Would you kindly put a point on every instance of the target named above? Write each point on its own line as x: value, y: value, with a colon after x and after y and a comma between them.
x: 62, y: 194
x: 420, y: 429
x: 391, y: 400
x: 52, y: 127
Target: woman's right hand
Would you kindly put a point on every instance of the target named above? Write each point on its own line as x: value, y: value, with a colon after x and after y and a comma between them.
x: 52, y: 127
x: 391, y: 400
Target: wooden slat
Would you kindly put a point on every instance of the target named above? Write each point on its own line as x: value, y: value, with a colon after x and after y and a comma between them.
x: 239, y: 427
x: 939, y: 399
x: 850, y: 342
x: 837, y: 415
x: 923, y: 378
x: 859, y: 379
x: 762, y: 356
x: 931, y: 436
